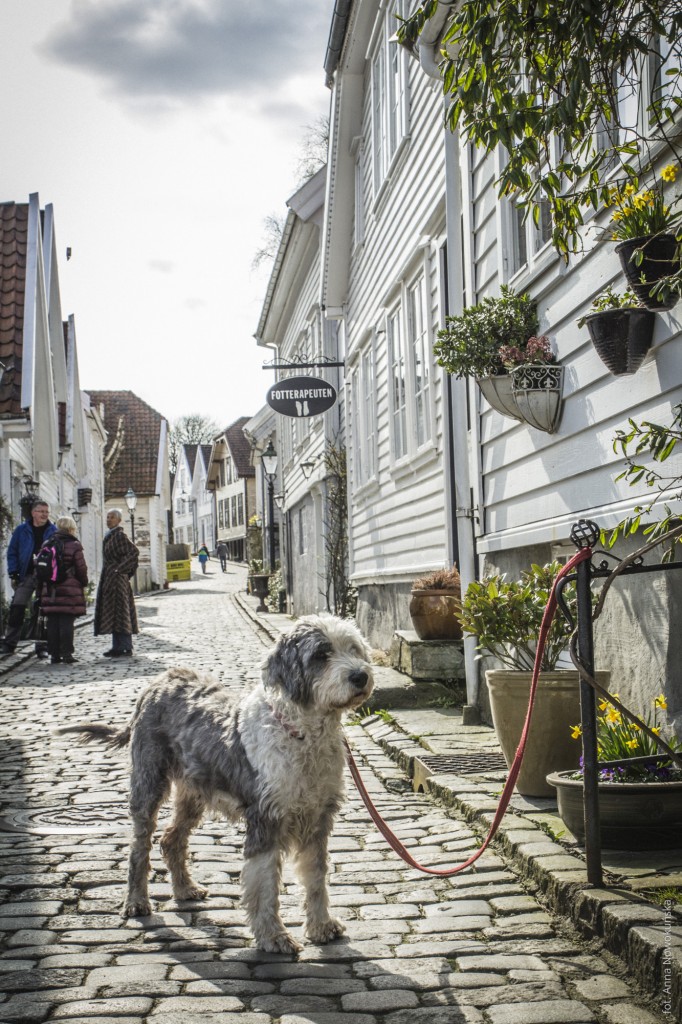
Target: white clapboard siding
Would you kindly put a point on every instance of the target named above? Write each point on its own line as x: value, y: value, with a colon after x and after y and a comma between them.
x: 532, y: 483
x: 402, y: 234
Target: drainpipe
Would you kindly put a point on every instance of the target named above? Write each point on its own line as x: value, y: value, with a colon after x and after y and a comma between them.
x: 461, y: 540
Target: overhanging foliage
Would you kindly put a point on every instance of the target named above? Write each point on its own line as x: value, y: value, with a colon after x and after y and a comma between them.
x: 547, y: 80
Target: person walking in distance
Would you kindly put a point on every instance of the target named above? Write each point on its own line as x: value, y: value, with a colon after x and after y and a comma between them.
x: 63, y: 601
x: 115, y: 611
x: 221, y: 552
x: 203, y: 556
x: 24, y: 545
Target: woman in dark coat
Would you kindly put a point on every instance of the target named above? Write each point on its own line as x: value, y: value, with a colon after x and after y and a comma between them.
x: 115, y: 605
x: 62, y: 602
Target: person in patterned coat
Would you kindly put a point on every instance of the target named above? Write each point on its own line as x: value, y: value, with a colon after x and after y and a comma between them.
x: 115, y: 605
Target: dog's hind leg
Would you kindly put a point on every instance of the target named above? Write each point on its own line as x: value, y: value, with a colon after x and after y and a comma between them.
x: 149, y: 787
x: 311, y: 867
x: 187, y: 814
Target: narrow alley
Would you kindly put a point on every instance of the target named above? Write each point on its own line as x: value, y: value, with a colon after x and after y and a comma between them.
x: 476, y: 948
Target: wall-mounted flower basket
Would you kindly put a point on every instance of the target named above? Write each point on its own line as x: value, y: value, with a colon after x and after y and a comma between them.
x: 84, y: 496
x: 658, y: 261
x: 530, y: 393
x: 538, y: 391
x: 498, y: 393
x: 622, y: 337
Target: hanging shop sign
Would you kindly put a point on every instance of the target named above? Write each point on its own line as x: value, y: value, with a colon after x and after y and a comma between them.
x: 301, y: 396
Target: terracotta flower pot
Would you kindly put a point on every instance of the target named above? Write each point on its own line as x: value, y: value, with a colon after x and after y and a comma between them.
x: 434, y: 614
x: 557, y: 707
x: 658, y: 261
x: 633, y: 815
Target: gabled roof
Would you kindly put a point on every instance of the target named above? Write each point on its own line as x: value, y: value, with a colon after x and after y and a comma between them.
x: 135, y: 432
x: 206, y: 450
x: 240, y: 449
x: 13, y: 249
x: 191, y: 456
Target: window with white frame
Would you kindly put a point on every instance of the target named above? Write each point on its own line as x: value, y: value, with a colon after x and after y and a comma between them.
x: 398, y: 389
x: 418, y: 347
x: 410, y: 369
x: 363, y: 397
x: 389, y: 94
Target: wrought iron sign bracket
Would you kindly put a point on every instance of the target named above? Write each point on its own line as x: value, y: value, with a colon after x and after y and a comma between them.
x: 287, y: 365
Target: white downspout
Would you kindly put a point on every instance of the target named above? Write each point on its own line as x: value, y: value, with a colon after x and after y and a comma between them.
x: 457, y: 443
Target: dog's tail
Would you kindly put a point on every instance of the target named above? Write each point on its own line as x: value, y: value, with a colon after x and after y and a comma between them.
x: 116, y: 738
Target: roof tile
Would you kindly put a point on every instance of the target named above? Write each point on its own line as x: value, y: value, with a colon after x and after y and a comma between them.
x: 132, y: 450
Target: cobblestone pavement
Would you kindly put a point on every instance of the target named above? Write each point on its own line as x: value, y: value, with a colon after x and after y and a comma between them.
x: 474, y: 948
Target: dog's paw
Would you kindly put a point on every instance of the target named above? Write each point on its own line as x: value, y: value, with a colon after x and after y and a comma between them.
x: 320, y: 932
x: 281, y: 942
x: 136, y: 908
x: 192, y: 892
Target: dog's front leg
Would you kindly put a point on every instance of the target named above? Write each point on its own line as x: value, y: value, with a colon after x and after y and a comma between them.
x: 312, y: 867
x: 261, y: 878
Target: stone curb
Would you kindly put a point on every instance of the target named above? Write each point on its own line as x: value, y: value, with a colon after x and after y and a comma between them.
x: 632, y: 928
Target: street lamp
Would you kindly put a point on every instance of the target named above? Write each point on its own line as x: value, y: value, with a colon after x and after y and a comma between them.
x: 131, y: 502
x: 307, y: 466
x: 269, y: 463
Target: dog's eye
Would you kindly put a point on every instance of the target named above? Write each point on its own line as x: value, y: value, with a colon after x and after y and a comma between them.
x: 322, y: 654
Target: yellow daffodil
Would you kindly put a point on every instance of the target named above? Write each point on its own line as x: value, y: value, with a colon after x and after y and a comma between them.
x: 656, y: 729
x: 632, y: 744
x: 669, y: 173
x: 618, y: 215
x: 577, y: 731
x: 661, y: 702
x: 629, y: 189
x: 614, y: 716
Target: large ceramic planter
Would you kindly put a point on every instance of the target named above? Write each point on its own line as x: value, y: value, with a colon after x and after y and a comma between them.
x: 557, y: 707
x: 537, y: 390
x: 434, y: 614
x: 633, y: 815
x: 658, y: 261
x: 622, y: 337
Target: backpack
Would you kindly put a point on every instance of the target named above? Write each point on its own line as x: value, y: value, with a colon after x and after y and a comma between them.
x: 49, y: 563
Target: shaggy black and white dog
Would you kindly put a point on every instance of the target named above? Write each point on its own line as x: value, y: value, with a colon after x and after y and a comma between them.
x: 276, y: 761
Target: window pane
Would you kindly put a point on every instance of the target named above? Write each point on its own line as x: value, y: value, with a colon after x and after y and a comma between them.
x: 398, y: 391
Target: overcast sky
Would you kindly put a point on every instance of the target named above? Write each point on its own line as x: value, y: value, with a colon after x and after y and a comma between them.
x: 164, y: 132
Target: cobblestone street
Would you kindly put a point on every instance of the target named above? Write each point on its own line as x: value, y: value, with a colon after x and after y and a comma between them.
x: 474, y: 948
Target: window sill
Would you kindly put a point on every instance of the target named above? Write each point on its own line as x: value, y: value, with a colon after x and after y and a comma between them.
x: 365, y: 490
x: 409, y: 465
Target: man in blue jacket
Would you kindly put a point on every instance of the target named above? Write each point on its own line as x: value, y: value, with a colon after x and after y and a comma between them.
x: 24, y: 545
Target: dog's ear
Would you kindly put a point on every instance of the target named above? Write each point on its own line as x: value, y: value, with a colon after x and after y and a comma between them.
x: 285, y: 668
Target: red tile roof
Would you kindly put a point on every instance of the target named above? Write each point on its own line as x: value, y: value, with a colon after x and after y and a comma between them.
x: 131, y: 456
x: 13, y: 233
x: 240, y: 449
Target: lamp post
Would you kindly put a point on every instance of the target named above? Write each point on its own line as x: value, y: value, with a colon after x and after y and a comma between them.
x: 269, y: 462
x: 131, y: 502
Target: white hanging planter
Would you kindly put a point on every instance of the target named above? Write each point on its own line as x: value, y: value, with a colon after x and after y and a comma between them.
x: 498, y: 393
x: 531, y: 393
x: 538, y: 390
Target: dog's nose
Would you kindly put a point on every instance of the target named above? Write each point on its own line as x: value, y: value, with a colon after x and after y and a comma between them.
x: 358, y: 678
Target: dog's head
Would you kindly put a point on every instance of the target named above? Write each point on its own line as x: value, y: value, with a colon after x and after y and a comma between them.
x: 323, y: 661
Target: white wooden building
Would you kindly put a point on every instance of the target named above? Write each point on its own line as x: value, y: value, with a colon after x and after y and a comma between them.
x: 51, y: 440
x: 293, y: 326
x: 384, y: 264
x: 414, y: 229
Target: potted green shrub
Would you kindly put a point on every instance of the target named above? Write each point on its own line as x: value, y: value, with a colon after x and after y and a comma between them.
x: 640, y: 802
x: 489, y: 340
x: 621, y: 330
x: 436, y: 604
x: 505, y: 616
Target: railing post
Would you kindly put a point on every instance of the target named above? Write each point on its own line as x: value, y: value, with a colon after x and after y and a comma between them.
x: 585, y: 534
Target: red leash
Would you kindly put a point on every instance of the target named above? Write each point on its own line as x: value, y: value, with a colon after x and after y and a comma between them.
x: 390, y: 836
